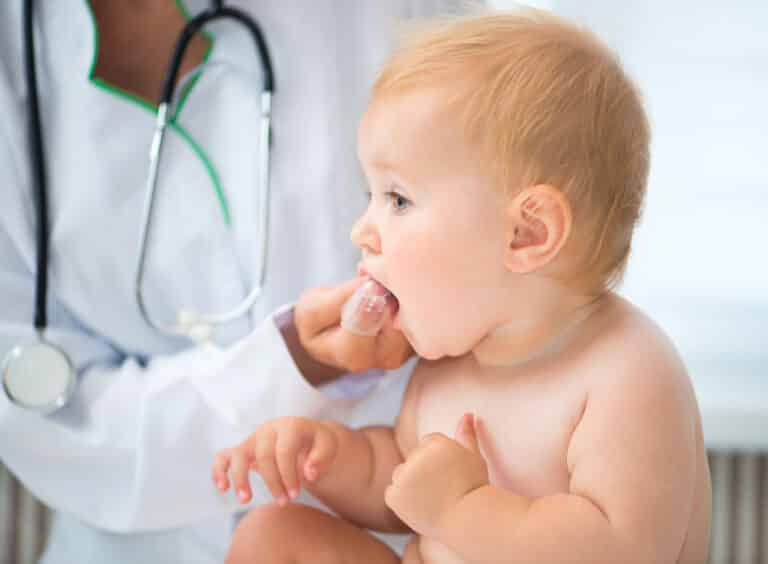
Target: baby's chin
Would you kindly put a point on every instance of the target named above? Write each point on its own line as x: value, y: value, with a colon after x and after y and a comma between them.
x: 430, y: 348
x: 420, y: 347
x: 427, y: 354
x: 436, y: 353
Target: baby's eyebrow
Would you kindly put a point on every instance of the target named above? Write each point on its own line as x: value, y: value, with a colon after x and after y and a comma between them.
x: 388, y: 167
x: 382, y: 154
x: 379, y: 168
x: 383, y: 163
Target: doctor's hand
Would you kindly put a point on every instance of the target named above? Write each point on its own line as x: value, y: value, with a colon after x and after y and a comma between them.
x: 284, y: 451
x: 436, y: 475
x: 317, y: 318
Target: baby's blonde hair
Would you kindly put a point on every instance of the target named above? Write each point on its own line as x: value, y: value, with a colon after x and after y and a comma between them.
x: 544, y: 102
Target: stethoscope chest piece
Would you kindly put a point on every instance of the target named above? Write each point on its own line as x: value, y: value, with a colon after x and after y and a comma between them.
x: 38, y: 376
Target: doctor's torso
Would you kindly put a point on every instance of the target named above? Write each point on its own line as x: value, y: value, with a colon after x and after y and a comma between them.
x: 203, y: 253
x: 204, y: 249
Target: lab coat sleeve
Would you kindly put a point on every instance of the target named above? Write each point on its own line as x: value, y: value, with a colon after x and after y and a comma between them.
x: 133, y: 449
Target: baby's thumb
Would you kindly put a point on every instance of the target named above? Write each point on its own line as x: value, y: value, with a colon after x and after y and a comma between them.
x: 322, y: 452
x: 466, y: 432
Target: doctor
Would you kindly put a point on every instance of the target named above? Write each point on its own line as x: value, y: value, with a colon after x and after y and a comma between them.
x: 125, y: 463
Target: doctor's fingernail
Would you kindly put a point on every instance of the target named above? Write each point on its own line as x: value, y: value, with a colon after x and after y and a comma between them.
x: 222, y: 485
x: 243, y: 495
x: 293, y: 493
x: 282, y: 501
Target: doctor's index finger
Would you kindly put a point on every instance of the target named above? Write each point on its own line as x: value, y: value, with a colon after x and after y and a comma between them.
x: 320, y: 308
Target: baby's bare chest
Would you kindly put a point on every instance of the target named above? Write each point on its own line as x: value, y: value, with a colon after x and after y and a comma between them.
x: 528, y: 420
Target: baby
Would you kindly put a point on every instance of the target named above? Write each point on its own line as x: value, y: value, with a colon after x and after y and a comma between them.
x: 548, y: 420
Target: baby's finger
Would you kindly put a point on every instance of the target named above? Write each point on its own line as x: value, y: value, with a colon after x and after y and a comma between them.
x: 239, y: 467
x: 220, y: 469
x: 322, y: 452
x: 286, y: 453
x: 265, y: 459
x: 466, y: 433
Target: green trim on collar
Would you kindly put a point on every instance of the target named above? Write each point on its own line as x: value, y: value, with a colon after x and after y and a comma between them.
x: 151, y: 107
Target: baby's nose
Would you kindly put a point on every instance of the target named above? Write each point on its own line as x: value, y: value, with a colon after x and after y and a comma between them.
x: 365, y: 236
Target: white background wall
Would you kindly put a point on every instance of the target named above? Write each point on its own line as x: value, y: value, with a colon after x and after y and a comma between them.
x: 700, y: 264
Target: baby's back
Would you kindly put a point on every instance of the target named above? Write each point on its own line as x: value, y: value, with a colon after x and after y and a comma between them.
x: 533, y: 414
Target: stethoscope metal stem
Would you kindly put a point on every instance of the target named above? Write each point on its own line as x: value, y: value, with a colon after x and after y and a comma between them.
x: 146, y: 223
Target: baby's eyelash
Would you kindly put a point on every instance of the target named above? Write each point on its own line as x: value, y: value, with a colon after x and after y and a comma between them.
x: 399, y: 202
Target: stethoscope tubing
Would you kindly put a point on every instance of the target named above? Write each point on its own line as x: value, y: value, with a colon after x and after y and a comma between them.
x: 39, y: 178
x: 30, y: 363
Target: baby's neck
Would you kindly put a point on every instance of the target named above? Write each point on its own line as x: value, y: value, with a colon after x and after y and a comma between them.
x: 540, y: 326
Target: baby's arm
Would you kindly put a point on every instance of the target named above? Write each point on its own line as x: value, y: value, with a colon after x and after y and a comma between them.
x: 631, y: 460
x: 363, y: 471
x: 353, y: 486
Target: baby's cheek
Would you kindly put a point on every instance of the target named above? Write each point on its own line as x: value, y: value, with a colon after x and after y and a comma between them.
x: 406, y: 264
x: 435, y: 322
x: 421, y: 279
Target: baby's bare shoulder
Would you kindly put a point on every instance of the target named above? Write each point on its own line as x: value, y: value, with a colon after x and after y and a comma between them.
x: 640, y: 420
x: 630, y: 349
x: 632, y: 370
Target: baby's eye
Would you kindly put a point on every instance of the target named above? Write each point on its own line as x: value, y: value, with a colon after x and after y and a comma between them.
x: 399, y: 202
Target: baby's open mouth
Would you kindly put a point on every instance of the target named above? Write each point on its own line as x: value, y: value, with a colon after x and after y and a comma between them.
x: 391, y: 298
x: 370, y: 306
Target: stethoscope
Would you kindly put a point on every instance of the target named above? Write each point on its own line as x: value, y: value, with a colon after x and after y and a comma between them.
x: 40, y: 376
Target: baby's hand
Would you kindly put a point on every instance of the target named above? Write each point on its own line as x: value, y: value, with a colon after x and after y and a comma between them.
x: 436, y: 475
x: 284, y: 451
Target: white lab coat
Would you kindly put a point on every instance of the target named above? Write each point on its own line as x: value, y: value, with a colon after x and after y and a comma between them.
x: 126, y: 464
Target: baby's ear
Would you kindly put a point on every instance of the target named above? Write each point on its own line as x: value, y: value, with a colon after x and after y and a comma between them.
x: 539, y: 222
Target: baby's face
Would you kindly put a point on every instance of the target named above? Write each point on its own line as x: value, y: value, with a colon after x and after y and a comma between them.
x: 433, y: 232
